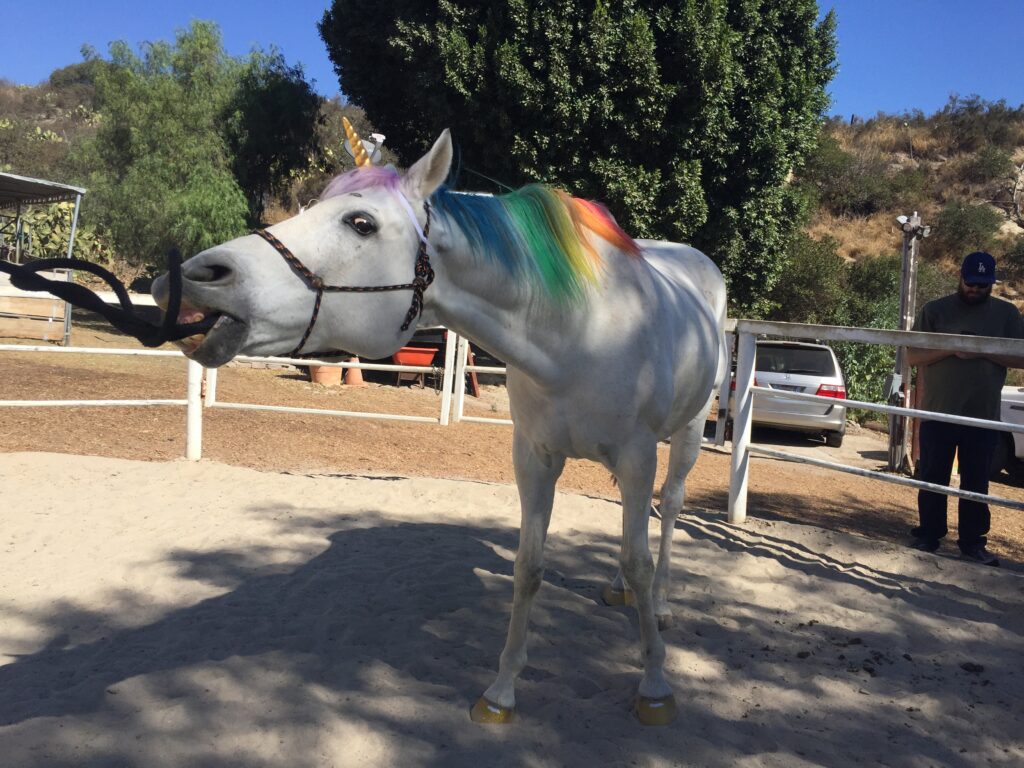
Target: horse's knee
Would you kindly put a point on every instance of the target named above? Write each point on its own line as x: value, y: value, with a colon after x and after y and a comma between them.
x: 528, y: 576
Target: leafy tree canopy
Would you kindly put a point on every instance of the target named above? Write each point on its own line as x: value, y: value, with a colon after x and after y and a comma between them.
x: 685, y: 117
x: 271, y: 128
x: 185, y: 151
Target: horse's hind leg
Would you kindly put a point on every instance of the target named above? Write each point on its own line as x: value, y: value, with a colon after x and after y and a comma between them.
x: 683, y: 453
x: 536, y: 475
x: 635, y: 469
x: 682, y: 456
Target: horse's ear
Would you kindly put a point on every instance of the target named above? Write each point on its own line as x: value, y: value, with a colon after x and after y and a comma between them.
x: 430, y: 171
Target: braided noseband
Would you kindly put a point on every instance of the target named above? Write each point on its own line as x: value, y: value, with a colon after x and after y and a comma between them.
x: 423, y: 277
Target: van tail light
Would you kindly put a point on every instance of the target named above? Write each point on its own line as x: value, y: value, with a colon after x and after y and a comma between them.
x: 732, y: 386
x: 837, y: 391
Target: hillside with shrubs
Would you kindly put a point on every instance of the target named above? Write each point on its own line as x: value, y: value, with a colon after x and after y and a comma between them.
x: 961, y: 169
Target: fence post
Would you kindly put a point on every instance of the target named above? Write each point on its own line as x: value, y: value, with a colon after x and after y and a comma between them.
x: 451, y: 341
x: 194, y: 413
x: 724, y: 390
x: 459, y: 385
x: 210, y: 391
x: 913, y: 231
x: 743, y: 399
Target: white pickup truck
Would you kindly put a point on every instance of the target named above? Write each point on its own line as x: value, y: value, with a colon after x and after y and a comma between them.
x: 1010, y: 448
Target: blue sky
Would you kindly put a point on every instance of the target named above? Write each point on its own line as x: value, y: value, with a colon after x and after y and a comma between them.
x: 894, y: 55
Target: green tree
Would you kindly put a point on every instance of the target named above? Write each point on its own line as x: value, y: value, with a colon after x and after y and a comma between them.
x: 686, y: 118
x: 271, y: 128
x: 873, y: 301
x: 158, y: 170
x: 190, y: 141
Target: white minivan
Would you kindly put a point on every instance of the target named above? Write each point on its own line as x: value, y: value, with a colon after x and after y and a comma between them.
x: 813, y: 369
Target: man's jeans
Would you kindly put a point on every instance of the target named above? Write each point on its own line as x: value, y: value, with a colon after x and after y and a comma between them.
x: 974, y: 447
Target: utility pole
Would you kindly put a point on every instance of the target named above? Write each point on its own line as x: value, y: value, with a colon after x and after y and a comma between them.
x: 899, y: 383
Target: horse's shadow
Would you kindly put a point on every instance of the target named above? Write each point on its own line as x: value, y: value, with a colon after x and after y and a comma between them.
x: 350, y: 585
x: 391, y: 611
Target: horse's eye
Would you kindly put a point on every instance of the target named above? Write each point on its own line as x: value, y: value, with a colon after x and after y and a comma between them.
x: 361, y: 223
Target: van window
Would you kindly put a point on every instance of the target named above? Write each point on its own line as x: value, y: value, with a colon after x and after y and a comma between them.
x: 784, y: 359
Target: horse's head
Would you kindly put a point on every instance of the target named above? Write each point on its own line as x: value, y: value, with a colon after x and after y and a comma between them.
x: 364, y: 233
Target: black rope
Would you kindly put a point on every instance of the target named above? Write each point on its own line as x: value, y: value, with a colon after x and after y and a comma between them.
x: 125, y: 318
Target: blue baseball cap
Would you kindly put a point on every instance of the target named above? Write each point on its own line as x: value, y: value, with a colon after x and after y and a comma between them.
x: 978, y: 267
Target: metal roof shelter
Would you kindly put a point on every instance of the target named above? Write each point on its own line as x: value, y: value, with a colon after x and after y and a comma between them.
x: 17, y: 192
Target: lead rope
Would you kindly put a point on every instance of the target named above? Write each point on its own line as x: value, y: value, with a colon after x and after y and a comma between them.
x: 126, y: 317
x: 422, y: 278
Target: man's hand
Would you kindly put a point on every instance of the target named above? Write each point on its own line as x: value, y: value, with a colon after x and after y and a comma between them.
x: 919, y: 357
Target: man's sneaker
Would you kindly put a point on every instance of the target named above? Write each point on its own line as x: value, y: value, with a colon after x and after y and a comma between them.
x: 924, y: 544
x: 978, y: 554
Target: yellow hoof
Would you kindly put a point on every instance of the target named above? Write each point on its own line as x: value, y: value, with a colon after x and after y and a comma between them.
x: 656, y: 711
x: 612, y: 596
x: 485, y: 711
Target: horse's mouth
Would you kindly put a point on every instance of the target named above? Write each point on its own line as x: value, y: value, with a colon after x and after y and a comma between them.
x: 219, y: 338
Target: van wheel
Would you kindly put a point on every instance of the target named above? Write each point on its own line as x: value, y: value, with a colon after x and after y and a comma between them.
x: 834, y: 439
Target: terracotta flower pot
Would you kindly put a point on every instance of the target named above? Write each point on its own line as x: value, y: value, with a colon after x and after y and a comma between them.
x: 327, y: 375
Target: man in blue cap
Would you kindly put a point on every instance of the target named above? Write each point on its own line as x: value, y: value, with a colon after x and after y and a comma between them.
x: 964, y: 384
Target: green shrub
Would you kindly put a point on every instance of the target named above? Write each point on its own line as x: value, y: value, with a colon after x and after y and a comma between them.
x: 873, y: 301
x: 989, y: 164
x: 961, y: 227
x: 848, y: 184
x: 812, y: 287
x: 907, y: 187
x: 861, y: 183
x: 970, y: 123
x: 1011, y: 262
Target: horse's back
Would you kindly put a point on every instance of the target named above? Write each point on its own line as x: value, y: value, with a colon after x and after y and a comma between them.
x: 694, y: 273
x: 685, y: 265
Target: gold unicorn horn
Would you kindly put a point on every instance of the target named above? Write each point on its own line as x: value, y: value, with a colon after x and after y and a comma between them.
x: 358, y: 150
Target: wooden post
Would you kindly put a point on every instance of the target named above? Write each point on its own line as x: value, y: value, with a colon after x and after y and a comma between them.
x: 898, y: 433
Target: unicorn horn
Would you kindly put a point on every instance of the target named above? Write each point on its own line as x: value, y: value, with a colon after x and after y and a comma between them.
x: 358, y: 150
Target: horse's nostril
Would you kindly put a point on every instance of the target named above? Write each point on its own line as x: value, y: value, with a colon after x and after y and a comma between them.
x: 206, y: 273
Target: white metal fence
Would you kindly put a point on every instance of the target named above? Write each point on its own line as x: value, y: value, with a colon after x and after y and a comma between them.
x: 195, y: 399
x: 747, y: 332
x: 456, y: 366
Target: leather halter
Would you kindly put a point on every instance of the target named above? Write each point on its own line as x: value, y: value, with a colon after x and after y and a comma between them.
x: 423, y: 277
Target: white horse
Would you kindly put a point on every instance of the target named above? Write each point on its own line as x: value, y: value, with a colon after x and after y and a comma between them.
x: 611, y: 345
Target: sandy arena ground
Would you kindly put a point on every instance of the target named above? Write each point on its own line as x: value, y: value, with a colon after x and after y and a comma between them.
x: 313, y: 593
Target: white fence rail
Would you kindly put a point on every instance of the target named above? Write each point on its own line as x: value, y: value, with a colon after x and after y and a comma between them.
x: 456, y: 366
x: 748, y: 330
x: 195, y: 400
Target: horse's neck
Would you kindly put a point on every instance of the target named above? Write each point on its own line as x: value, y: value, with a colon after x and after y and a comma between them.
x: 477, y: 298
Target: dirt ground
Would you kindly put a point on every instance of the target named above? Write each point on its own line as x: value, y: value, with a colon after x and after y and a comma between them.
x: 308, y: 444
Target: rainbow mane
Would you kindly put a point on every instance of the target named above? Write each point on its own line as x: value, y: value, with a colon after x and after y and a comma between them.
x: 539, y: 234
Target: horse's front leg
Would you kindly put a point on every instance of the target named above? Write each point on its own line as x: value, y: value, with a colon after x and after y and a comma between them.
x: 536, y: 475
x: 635, y: 469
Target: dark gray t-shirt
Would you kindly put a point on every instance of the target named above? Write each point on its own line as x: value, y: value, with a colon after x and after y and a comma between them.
x: 967, y: 387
